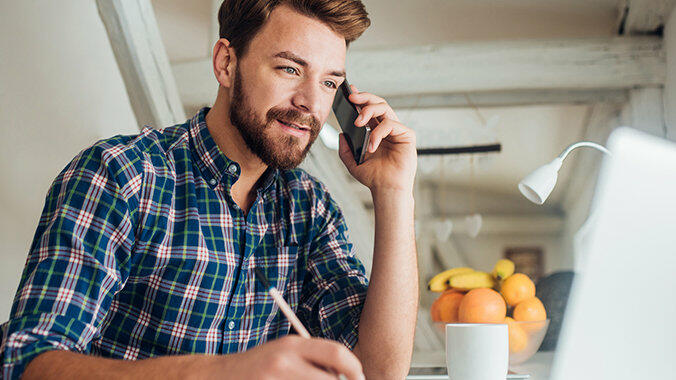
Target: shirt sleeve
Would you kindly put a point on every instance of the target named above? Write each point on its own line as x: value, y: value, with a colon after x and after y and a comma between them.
x: 76, y: 263
x: 335, y: 286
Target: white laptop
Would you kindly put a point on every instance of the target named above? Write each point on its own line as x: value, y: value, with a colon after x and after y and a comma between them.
x: 620, y: 321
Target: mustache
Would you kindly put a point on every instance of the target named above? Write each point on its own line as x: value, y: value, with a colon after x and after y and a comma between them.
x: 291, y: 115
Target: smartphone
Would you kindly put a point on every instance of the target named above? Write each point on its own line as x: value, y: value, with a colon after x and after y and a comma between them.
x: 346, y: 113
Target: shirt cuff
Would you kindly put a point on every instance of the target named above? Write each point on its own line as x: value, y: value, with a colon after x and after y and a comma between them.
x: 22, y: 347
x: 350, y: 335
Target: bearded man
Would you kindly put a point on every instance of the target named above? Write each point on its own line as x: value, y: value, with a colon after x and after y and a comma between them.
x: 142, y: 265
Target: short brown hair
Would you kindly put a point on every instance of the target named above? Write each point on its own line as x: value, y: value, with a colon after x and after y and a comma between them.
x: 240, y: 20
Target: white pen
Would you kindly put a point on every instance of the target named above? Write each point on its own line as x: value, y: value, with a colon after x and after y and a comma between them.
x: 286, y: 309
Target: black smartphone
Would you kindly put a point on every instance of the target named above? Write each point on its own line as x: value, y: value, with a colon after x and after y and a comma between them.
x: 346, y: 113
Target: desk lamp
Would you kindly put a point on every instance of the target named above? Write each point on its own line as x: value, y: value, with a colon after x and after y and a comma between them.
x: 539, y: 184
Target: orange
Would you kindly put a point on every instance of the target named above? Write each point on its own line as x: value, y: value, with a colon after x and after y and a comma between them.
x: 531, y: 309
x: 434, y: 311
x: 482, y: 306
x: 517, y: 288
x: 445, y: 307
x: 518, y: 339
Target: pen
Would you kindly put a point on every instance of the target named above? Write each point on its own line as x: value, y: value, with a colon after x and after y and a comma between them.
x: 286, y: 309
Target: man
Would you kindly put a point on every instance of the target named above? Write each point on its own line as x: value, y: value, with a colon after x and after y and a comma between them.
x: 146, y: 247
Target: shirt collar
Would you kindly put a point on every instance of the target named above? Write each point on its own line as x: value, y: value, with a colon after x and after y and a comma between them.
x: 215, y: 166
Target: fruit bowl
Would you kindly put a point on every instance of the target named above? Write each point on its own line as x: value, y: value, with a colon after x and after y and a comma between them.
x: 525, y: 338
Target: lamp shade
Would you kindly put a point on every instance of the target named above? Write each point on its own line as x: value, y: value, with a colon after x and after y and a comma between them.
x: 539, y: 184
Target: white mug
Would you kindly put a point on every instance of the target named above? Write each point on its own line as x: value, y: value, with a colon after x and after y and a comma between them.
x: 477, y: 351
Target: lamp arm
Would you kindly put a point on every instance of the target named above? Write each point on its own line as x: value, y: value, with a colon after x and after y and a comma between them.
x: 590, y: 144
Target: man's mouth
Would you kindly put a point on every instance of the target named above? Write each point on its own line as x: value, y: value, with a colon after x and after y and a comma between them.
x: 294, y: 125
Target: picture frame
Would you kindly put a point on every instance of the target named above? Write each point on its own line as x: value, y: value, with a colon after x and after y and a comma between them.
x: 527, y: 260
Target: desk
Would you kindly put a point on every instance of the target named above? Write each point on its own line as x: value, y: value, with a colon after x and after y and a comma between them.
x: 538, y: 367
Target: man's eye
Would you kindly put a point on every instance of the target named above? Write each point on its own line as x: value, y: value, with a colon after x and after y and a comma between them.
x: 330, y: 84
x: 289, y: 70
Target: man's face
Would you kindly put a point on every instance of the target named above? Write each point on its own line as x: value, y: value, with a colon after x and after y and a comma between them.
x: 284, y: 86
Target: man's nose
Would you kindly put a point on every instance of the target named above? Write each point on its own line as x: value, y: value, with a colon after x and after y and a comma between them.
x: 308, y: 97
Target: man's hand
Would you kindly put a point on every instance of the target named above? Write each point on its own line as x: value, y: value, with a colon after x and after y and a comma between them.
x: 390, y: 162
x: 290, y: 357
x: 293, y: 357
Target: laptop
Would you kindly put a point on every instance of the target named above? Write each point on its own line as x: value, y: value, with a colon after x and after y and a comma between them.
x: 440, y: 373
x: 621, y: 316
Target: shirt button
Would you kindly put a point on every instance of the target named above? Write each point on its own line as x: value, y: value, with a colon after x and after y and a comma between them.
x: 212, y: 182
x: 231, y: 325
x: 232, y: 169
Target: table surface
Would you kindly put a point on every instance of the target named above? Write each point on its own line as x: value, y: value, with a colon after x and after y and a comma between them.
x: 538, y: 367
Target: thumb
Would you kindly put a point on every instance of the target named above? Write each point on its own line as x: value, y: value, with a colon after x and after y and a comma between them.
x: 346, y: 154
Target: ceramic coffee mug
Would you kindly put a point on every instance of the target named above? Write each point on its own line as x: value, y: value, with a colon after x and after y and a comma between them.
x: 476, y: 351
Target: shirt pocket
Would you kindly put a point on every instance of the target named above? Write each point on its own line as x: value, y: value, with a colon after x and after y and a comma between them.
x: 280, y: 267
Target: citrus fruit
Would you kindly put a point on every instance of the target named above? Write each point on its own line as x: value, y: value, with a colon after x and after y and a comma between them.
x: 531, y: 309
x: 482, y: 306
x: 517, y: 288
x: 434, y: 311
x: 518, y: 339
x: 445, y: 307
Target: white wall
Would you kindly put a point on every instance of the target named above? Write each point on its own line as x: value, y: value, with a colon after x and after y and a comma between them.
x: 483, y: 251
x: 670, y: 85
x: 185, y: 27
x: 60, y: 90
x: 414, y: 22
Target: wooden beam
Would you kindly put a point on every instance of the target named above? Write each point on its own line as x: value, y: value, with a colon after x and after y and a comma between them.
x: 645, y: 111
x: 504, y: 224
x: 508, y: 98
x: 645, y: 16
x: 142, y: 60
x: 462, y: 200
x: 438, y: 75
x: 597, y: 63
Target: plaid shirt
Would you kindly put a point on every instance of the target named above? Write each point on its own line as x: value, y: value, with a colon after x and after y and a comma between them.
x: 141, y: 251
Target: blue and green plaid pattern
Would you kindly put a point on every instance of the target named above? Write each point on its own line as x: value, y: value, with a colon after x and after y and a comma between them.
x: 141, y: 251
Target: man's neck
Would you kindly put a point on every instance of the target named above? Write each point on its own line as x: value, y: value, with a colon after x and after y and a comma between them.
x: 231, y: 143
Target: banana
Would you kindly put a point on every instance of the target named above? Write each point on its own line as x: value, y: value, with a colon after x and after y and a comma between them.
x: 439, y: 283
x: 473, y: 280
x: 503, y: 269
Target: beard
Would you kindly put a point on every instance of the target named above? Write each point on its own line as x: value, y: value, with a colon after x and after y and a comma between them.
x: 286, y: 152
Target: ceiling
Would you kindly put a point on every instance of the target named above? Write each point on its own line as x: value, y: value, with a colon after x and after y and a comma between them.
x: 530, y: 136
x: 187, y: 26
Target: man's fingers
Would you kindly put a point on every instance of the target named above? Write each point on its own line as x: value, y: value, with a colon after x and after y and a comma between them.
x: 310, y: 371
x: 299, y: 367
x: 367, y: 99
x: 373, y: 111
x: 362, y: 97
x: 396, y: 132
x: 333, y: 355
x: 377, y: 135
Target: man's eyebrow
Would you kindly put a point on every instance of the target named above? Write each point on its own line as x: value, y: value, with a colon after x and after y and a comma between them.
x: 293, y: 57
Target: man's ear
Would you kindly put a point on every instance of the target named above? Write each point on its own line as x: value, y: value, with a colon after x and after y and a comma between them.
x: 224, y: 61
